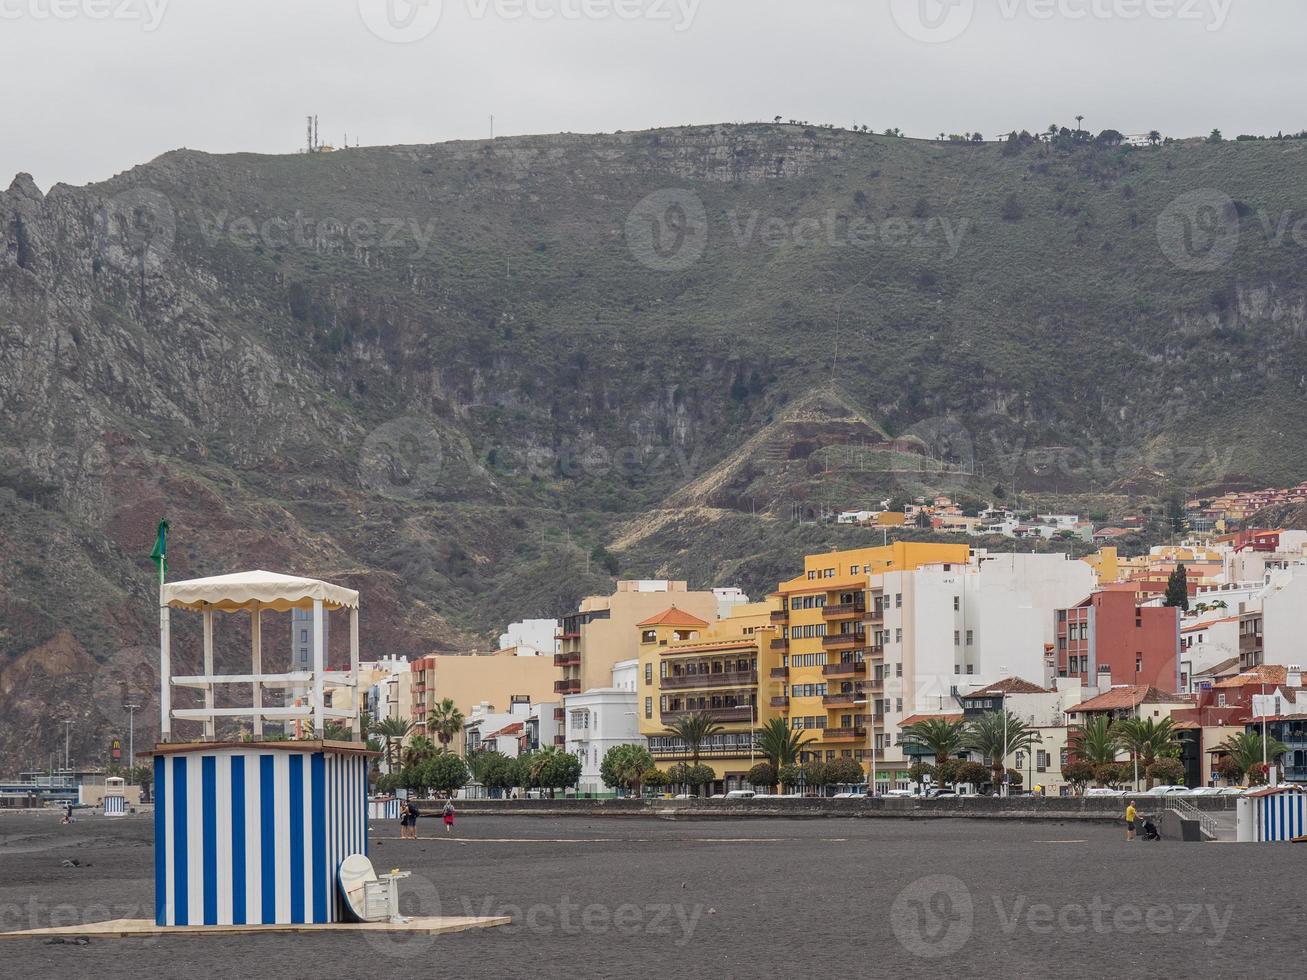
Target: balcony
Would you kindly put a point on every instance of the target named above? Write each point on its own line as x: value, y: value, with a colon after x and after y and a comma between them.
x: 876, y: 615
x: 780, y: 615
x: 735, y: 679
x: 723, y: 715
x: 780, y: 702
x: 843, y: 610
x: 567, y: 636
x: 850, y: 669
x: 1250, y: 642
x: 844, y: 734
x: 567, y: 659
x: 560, y: 714
x: 875, y: 651
x: 570, y: 686
x: 780, y: 673
x: 780, y: 644
x: 843, y: 641
x: 560, y: 739
x: 842, y: 700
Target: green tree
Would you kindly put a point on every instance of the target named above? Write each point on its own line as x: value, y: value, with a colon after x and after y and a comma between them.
x: 947, y: 772
x: 1167, y: 772
x: 143, y: 776
x: 694, y: 729
x: 938, y: 736
x: 392, y: 732
x: 559, y: 770
x: 1216, y: 137
x: 1147, y: 740
x: 1094, y: 741
x: 445, y: 722
x: 779, y: 744
x: 790, y: 776
x: 996, y: 735
x: 814, y: 775
x: 1245, y: 751
x: 1079, y: 774
x: 500, y: 773
x: 763, y: 776
x: 444, y: 773
x: 699, y: 776
x: 975, y: 773
x: 1012, y: 209
x: 420, y: 749
x: 844, y: 772
x: 919, y: 771
x: 624, y: 767
x: 1177, y: 589
x: 655, y: 779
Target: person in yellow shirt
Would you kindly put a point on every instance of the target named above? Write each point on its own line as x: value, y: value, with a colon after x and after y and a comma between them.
x: 1130, y: 814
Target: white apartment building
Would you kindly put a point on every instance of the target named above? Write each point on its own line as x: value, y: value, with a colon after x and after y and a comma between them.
x: 540, y: 635
x: 953, y: 629
x: 600, y: 718
x: 1284, y: 617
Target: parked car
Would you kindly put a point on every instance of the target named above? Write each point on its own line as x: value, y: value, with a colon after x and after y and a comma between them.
x: 1165, y: 790
x: 1104, y: 791
x: 898, y: 793
x: 941, y: 794
x: 739, y: 794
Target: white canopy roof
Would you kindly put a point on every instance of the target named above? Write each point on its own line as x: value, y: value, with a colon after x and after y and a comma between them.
x: 269, y: 589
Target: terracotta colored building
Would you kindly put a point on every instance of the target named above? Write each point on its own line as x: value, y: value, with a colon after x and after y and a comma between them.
x: 1108, y: 639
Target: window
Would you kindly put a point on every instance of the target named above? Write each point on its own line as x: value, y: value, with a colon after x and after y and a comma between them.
x: 957, y: 603
x: 898, y: 634
x: 898, y: 704
x: 304, y: 636
x: 648, y: 673
x: 898, y: 600
x: 898, y: 669
x: 971, y: 637
x: 957, y: 638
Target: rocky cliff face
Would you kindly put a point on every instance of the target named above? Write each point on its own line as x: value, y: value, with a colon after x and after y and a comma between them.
x: 452, y: 375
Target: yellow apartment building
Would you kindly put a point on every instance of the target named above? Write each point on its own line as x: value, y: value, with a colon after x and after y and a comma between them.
x: 689, y: 665
x: 830, y: 643
x: 602, y: 632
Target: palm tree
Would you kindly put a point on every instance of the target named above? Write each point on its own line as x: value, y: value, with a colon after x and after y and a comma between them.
x: 1147, y: 740
x: 1094, y: 741
x: 694, y: 729
x: 419, y: 750
x: 942, y: 738
x: 778, y: 743
x: 997, y: 734
x: 1154, y: 137
x: 393, y: 731
x: 1245, y: 750
x: 446, y: 721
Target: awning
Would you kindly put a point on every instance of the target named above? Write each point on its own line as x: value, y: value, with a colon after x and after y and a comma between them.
x: 269, y: 589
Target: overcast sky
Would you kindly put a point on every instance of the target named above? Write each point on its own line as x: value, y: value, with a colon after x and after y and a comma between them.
x: 93, y: 87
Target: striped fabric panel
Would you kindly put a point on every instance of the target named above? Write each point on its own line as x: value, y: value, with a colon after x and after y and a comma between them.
x: 251, y: 837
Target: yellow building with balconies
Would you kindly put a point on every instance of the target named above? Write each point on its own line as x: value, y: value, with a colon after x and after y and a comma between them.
x: 829, y: 679
x: 687, y: 666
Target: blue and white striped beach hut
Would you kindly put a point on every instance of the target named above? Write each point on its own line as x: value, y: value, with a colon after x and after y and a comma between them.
x: 250, y: 834
x: 383, y: 808
x: 115, y: 806
x: 1279, y: 813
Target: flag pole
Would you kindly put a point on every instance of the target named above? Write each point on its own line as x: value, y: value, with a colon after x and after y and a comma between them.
x: 160, y: 557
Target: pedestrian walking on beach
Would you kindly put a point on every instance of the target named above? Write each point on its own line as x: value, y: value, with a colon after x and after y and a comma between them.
x: 449, y: 816
x: 68, y: 814
x: 413, y: 815
x: 1131, y: 814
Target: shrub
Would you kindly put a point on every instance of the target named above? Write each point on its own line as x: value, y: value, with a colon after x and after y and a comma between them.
x: 844, y: 771
x: 763, y: 775
x: 1079, y: 775
x: 1167, y: 771
x: 1012, y: 209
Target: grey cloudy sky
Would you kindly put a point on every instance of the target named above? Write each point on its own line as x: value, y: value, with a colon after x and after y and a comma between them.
x: 96, y: 86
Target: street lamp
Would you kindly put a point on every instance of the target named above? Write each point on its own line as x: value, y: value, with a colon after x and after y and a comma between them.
x: 131, y: 740
x: 871, y: 744
x: 67, y: 736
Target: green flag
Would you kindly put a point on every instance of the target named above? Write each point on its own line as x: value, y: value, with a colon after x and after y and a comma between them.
x: 160, y: 553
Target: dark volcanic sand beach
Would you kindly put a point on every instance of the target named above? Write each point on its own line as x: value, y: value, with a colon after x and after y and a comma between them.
x: 720, y: 899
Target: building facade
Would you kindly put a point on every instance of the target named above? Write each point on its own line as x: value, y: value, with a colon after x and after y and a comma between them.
x: 602, y: 632
x: 1108, y: 639
x: 598, y: 719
